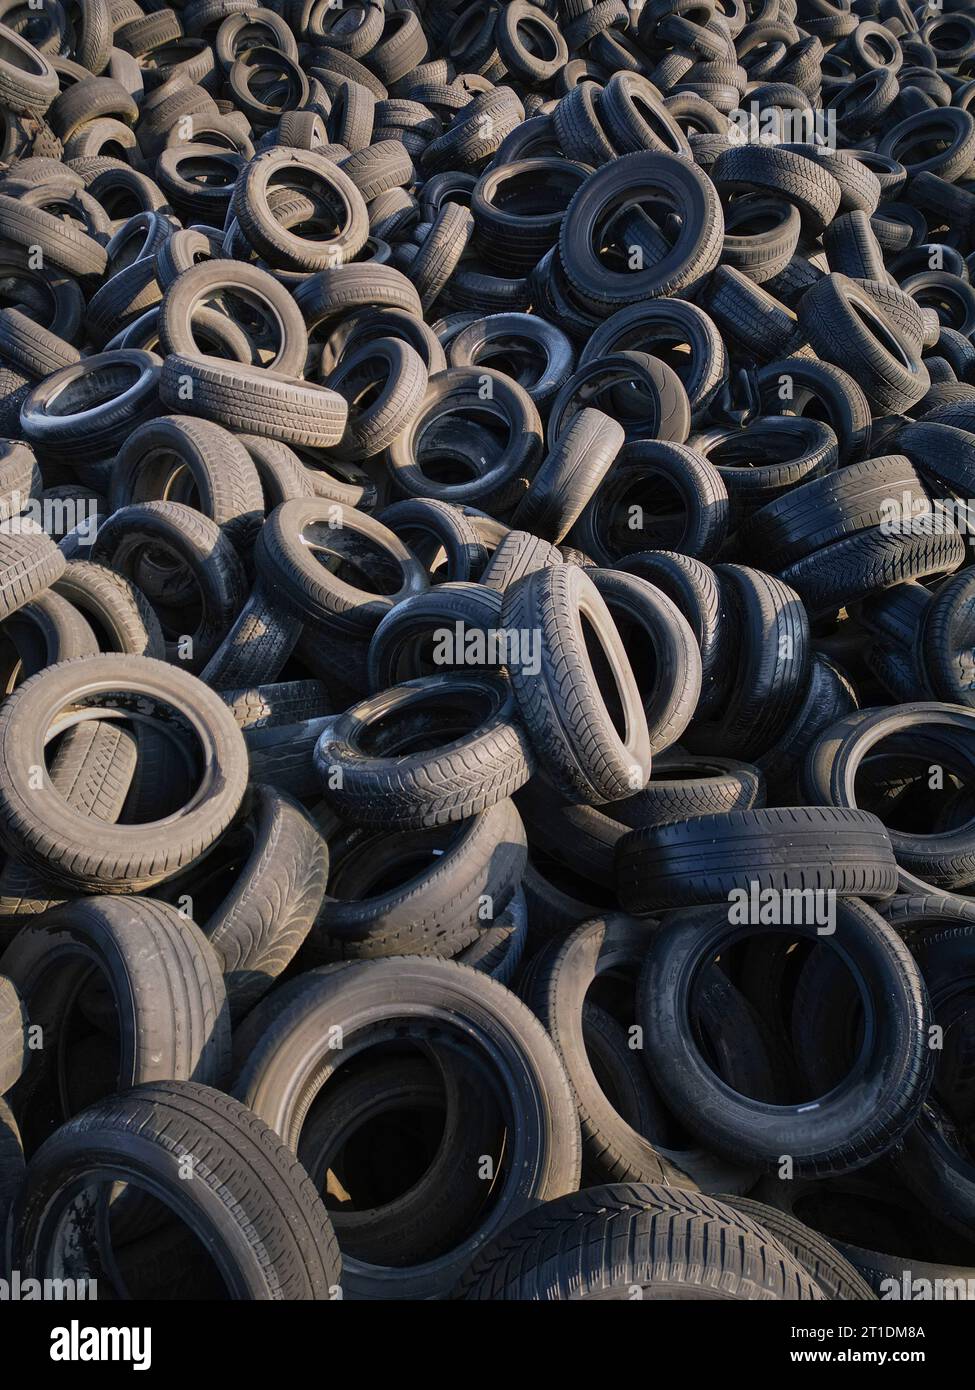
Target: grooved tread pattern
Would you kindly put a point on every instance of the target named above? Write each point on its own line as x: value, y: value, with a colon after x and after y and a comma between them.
x: 702, y: 860
x: 254, y: 400
x: 252, y: 1179
x: 628, y: 1234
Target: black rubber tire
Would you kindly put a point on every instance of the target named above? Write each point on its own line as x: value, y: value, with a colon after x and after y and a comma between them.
x: 62, y: 302
x: 694, y: 587
x: 784, y: 174
x: 161, y: 984
x: 569, y: 475
x: 440, y: 252
x: 461, y: 390
x: 283, y: 475
x: 499, y: 949
x: 862, y: 1117
x: 577, y: 127
x: 257, y: 644
x: 253, y: 400
x: 694, y: 254
x: 335, y: 63
x: 93, y: 770
x: 63, y: 244
x: 703, y: 860
x: 298, y: 580
x: 947, y: 131
x: 554, y: 906
x: 245, y: 1178
x: 579, y: 839
x: 659, y: 326
x: 481, y: 755
x: 47, y: 630
x: 659, y: 1233
x: 394, y: 374
x: 281, y: 247
x: 887, y: 1273
x: 29, y: 83
x: 644, y: 615
x: 440, y: 908
x: 837, y: 1278
x: 331, y: 294
x: 211, y: 280
x: 846, y: 325
x: 303, y: 130
x: 281, y: 754
x: 797, y: 384
x: 946, y: 641
x: 440, y: 535
x: 380, y: 166
x: 284, y: 702
x: 436, y: 630
x: 945, y: 859
x: 869, y: 562
x: 932, y: 1162
x: 195, y: 462
x: 828, y: 697
x: 941, y: 452
x: 612, y: 1148
x: 861, y: 183
x: 32, y: 347
x: 181, y: 251
x: 30, y: 562
x: 522, y: 59
x: 281, y: 866
x: 514, y: 231
x: 518, y: 553
x: 122, y: 301
x: 200, y: 549
x: 15, y: 390
x: 279, y: 1085
x: 401, y: 47
x: 476, y: 133
x: 427, y: 1218
x: 828, y: 509
x: 771, y: 628
x: 58, y: 420
x: 20, y: 478
x: 635, y: 117
x: 647, y: 394
x: 66, y: 845
x: 124, y: 619
x: 759, y: 250
x: 769, y: 457
x: 511, y: 338
x: 759, y: 325
x: 682, y: 786
x: 658, y: 495
x: 561, y: 704
x: 852, y: 248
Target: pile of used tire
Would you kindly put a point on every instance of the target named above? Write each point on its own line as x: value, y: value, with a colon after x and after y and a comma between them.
x: 487, y: 748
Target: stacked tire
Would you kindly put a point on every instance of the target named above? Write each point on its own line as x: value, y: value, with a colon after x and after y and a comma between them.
x: 487, y: 736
